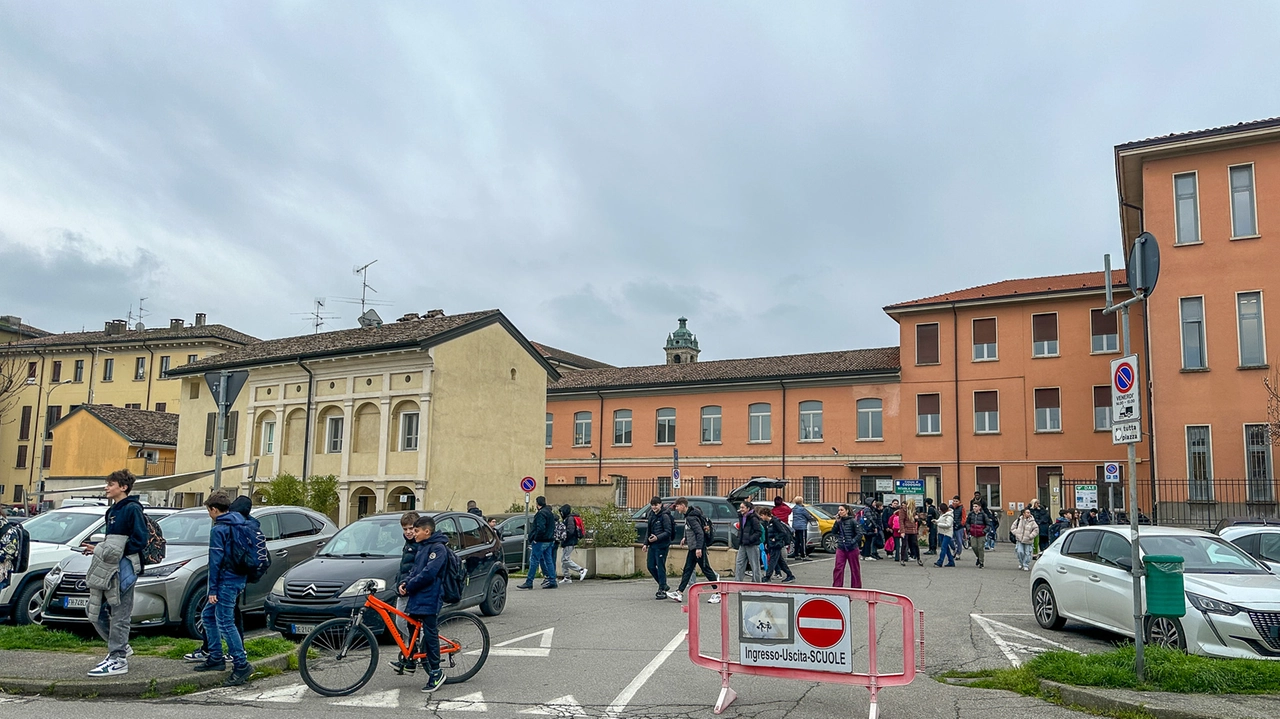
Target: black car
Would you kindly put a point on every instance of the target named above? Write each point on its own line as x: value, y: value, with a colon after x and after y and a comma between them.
x: 330, y: 584
x: 512, y: 532
x: 722, y: 511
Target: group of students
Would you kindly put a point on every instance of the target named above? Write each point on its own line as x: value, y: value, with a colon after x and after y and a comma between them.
x: 551, y: 534
x: 419, y: 593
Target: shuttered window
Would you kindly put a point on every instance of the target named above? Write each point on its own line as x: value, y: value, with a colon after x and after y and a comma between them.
x: 24, y: 426
x: 984, y: 339
x: 929, y: 414
x: 927, y: 343
x: 1044, y: 335
x: 1048, y: 410
x: 1102, y: 407
x: 1103, y: 328
x: 986, y: 411
x: 210, y: 427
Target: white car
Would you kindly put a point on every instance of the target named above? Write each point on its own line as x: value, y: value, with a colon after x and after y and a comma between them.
x: 55, y: 535
x: 1232, y: 600
x: 1260, y: 541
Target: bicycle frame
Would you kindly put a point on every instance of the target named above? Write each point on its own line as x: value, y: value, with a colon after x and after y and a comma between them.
x: 447, y: 646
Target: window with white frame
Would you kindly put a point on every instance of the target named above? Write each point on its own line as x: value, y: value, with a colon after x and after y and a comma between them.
x: 268, y: 437
x: 986, y: 412
x: 1249, y: 322
x: 1257, y: 460
x: 108, y: 369
x: 1244, y: 220
x: 164, y: 365
x: 1103, y: 328
x: 1048, y: 410
x: 810, y: 421
x: 984, y: 339
x: 582, y: 429
x: 666, y: 426
x: 1199, y: 464
x: 929, y: 414
x: 409, y: 431
x: 333, y: 438
x: 1193, y: 349
x: 140, y: 368
x: 758, y: 421
x: 870, y: 419
x: 927, y: 350
x: 1102, y: 408
x: 550, y: 425
x: 622, y: 427
x: 1044, y: 335
x: 710, y: 424
x: 1186, y: 209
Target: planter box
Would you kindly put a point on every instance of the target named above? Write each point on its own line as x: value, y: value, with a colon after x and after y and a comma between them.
x: 586, y: 557
x: 721, y: 558
x: 614, y: 561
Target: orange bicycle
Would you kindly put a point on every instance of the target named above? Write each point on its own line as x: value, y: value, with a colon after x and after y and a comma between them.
x: 339, y: 656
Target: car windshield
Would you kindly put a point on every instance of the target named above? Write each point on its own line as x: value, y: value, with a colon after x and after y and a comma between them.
x: 1202, y: 555
x: 61, y: 527
x: 817, y: 513
x: 367, y: 538
x: 186, y: 528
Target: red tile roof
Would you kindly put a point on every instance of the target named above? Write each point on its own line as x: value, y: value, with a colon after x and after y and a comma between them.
x: 1197, y: 134
x: 568, y: 358
x: 1030, y: 287
x: 136, y: 425
x: 189, y: 332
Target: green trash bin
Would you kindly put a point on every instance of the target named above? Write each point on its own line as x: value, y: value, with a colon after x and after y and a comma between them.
x: 1165, y: 594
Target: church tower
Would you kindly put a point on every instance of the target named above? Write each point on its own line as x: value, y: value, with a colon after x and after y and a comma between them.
x: 682, y: 345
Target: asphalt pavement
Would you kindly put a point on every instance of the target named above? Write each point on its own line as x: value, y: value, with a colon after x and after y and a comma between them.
x: 608, y: 648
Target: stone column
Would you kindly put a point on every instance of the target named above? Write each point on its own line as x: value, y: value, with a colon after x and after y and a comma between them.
x: 384, y: 441
x: 380, y: 497
x: 344, y: 503
x: 348, y: 423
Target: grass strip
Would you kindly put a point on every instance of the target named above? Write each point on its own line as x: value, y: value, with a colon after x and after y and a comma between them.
x: 33, y: 637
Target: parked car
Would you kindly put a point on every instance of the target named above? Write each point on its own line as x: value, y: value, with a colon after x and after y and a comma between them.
x: 55, y: 535
x: 1232, y: 599
x: 173, y: 593
x: 722, y: 511
x: 824, y: 537
x: 1259, y: 539
x: 331, y: 584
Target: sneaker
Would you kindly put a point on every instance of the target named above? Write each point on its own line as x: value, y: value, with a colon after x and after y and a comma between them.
x: 238, y: 677
x: 128, y: 651
x: 713, y: 599
x: 871, y: 559
x: 547, y: 584
x: 197, y: 657
x: 660, y: 595
x: 110, y: 667
x: 582, y: 575
x: 789, y: 580
x: 434, y: 681
x: 675, y: 596
x: 551, y: 586
x: 566, y: 580
x: 404, y: 666
x: 212, y: 665
x: 937, y: 564
x: 524, y: 586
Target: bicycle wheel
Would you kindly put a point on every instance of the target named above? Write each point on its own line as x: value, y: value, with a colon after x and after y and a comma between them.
x: 466, y: 630
x: 338, y: 657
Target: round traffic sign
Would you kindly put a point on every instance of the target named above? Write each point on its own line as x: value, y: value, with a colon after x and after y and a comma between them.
x: 528, y: 484
x: 1113, y: 468
x: 1124, y: 377
x: 675, y: 474
x: 820, y: 623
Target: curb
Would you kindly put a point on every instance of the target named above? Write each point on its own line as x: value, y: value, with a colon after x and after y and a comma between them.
x: 1100, y: 700
x: 131, y: 687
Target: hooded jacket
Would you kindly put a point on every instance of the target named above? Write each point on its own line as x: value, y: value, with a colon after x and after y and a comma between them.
x: 1025, y: 530
x: 570, y: 527
x: 750, y: 533
x: 945, y: 523
x: 221, y: 540
x: 777, y: 535
x: 425, y: 592
x: 695, y: 534
x: 125, y: 517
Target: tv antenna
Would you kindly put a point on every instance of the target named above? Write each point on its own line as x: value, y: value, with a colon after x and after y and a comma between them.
x: 142, y: 312
x: 363, y: 273
x: 318, y: 315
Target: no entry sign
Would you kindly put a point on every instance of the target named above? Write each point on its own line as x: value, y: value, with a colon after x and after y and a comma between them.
x: 820, y: 623
x: 796, y: 631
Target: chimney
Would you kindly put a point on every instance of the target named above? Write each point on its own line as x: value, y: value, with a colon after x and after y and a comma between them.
x: 434, y: 313
x: 200, y: 317
x: 11, y: 320
x: 114, y: 327
x: 176, y: 323
x: 408, y: 317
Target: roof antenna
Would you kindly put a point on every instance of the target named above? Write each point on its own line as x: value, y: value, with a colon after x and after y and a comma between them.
x: 363, y: 272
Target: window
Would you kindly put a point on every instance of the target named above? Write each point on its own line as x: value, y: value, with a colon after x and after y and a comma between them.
x: 24, y: 426
x: 1080, y: 545
x: 927, y: 343
x: 711, y: 425
x: 53, y: 413
x: 580, y: 481
x: 1114, y: 550
x: 470, y: 533
x: 1249, y: 317
x: 758, y: 422
x: 195, y: 390
x: 1103, y: 328
x: 108, y: 369
x: 1186, y: 209
x: 294, y: 524
x: 812, y: 490
x: 192, y: 358
x: 1257, y: 459
x: 79, y: 371
x: 56, y: 374
x: 1199, y: 463
x: 666, y: 426
x: 164, y: 366
x: 140, y: 368
x: 133, y: 405
x: 870, y: 419
x: 333, y: 435
x: 22, y: 456
x: 622, y: 427
x: 664, y: 486
x: 46, y: 460
x: 1244, y: 221
x: 1044, y: 335
x: 409, y: 431
x: 582, y: 429
x: 231, y: 433
x: 550, y: 418
x: 1102, y: 408
x: 986, y: 412
x: 711, y: 486
x: 1043, y: 475
x: 1193, y: 350
x: 811, y: 421
x: 31, y: 373
x: 268, y: 438
x: 620, y: 490
x: 162, y: 406
x: 1048, y: 410
x: 929, y: 414
x: 988, y: 485
x: 984, y: 339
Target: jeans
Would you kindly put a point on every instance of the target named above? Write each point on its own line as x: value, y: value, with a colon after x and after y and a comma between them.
x: 691, y: 561
x: 778, y: 563
x: 207, y: 647
x: 957, y: 538
x: 220, y: 624
x: 657, y: 565
x: 1024, y: 555
x: 747, y: 555
x: 112, y: 624
x: 801, y: 544
x: 429, y: 640
x: 539, y: 556
x: 872, y: 543
x: 945, y: 553
x: 850, y: 557
x: 991, y: 537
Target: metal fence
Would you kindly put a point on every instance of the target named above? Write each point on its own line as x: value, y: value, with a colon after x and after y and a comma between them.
x: 635, y: 492
x: 1193, y: 503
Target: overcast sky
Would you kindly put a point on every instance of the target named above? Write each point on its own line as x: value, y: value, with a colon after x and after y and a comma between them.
x: 595, y: 170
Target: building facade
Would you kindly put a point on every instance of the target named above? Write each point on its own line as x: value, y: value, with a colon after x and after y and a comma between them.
x: 96, y: 440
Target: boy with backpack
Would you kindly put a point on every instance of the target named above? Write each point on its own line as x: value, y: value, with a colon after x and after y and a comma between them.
x: 697, y: 537
x: 777, y: 537
x: 117, y: 562
x: 568, y: 532
x: 425, y: 590
x: 407, y: 556
x: 242, y: 506
x: 231, y: 541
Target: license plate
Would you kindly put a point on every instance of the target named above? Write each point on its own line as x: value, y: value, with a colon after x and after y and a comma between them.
x: 75, y: 602
x: 303, y: 628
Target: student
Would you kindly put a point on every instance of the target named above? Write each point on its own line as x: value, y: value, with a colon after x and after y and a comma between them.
x: 695, y: 537
x: 931, y: 518
x: 116, y: 565
x: 800, y: 521
x: 946, y: 538
x: 407, y: 556
x: 777, y: 537
x: 225, y: 586
x: 424, y: 592
x: 473, y: 509
x: 660, y: 530
x: 1025, y: 532
x: 957, y: 525
x: 750, y: 535
x: 242, y: 506
x: 908, y: 534
x: 977, y: 525
x: 542, y: 535
x: 567, y: 546
x: 848, y: 537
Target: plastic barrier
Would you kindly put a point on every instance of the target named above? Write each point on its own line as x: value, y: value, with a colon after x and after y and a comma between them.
x: 803, y: 633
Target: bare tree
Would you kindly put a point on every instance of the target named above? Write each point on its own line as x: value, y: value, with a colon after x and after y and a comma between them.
x: 13, y: 377
x: 1272, y: 384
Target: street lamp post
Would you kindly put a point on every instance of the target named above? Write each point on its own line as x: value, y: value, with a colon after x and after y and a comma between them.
x: 43, y: 436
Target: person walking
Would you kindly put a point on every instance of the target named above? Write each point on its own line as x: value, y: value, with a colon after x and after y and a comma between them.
x: 225, y: 585
x: 243, y: 506
x: 848, y: 544
x: 777, y: 538
x: 1025, y: 531
x: 931, y: 520
x: 660, y: 530
x: 801, y: 518
x: 977, y: 525
x: 696, y: 539
x: 1043, y: 521
x: 946, y: 539
x: 541, y: 541
x: 568, y: 544
x: 116, y: 564
x: 957, y: 524
x: 750, y: 535
x: 908, y: 534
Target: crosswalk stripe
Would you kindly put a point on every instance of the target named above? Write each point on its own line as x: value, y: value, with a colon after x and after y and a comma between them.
x: 387, y: 700
x: 566, y: 707
x: 469, y: 703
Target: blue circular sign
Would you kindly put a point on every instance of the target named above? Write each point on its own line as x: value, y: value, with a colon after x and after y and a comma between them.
x: 1124, y: 378
x: 528, y: 484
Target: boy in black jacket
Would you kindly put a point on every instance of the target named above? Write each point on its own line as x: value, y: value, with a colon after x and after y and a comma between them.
x: 407, y: 557
x: 697, y: 541
x: 777, y: 537
x: 124, y: 518
x: 661, y: 530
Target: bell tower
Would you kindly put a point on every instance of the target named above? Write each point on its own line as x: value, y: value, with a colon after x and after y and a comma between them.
x: 682, y: 345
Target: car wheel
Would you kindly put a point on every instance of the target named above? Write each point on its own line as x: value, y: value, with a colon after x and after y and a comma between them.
x: 495, y: 599
x: 1165, y: 632
x: 1045, y: 605
x: 28, y: 606
x: 829, y: 542
x: 193, y: 613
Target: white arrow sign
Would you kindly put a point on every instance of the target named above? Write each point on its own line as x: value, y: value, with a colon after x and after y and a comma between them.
x: 504, y: 649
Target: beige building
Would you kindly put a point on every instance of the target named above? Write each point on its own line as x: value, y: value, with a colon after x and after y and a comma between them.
x: 426, y: 412
x: 115, y: 367
x: 12, y: 330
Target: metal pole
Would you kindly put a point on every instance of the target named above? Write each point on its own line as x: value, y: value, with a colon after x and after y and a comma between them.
x: 524, y: 545
x: 219, y: 434
x: 1138, y: 569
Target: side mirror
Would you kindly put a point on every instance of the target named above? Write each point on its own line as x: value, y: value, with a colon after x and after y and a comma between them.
x: 97, y: 538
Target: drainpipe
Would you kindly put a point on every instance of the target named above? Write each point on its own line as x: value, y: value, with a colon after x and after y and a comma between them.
x: 955, y: 375
x: 151, y: 374
x: 306, y: 423
x: 93, y: 369
x: 783, y: 385
x: 600, y: 454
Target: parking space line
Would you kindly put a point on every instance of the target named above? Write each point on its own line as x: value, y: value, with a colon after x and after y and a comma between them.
x: 1007, y: 647
x: 624, y: 698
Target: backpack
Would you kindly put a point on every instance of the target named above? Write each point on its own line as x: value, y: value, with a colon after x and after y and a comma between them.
x: 249, y: 556
x: 453, y: 577
x: 561, y: 532
x: 153, y: 551
x: 864, y: 520
x: 582, y: 530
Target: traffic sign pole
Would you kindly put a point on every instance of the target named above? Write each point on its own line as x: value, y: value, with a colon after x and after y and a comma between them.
x: 528, y: 484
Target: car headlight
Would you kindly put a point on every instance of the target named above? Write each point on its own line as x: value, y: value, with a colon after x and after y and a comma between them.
x: 278, y: 587
x: 160, y: 571
x: 54, y: 574
x: 361, y: 586
x: 1213, y: 606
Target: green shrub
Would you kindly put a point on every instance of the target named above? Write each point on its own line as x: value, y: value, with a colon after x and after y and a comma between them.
x: 609, y: 526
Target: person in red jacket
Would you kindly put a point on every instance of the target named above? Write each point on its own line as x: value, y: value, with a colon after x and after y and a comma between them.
x: 781, y: 511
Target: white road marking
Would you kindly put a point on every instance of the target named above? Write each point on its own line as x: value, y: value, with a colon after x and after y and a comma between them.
x: 469, y: 703
x: 291, y: 694
x: 386, y: 700
x: 565, y: 707
x: 503, y: 649
x: 1009, y: 648
x: 624, y: 698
